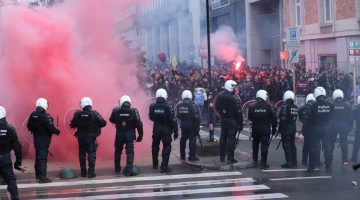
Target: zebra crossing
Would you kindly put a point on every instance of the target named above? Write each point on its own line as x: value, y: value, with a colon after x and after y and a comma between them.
x: 206, y: 186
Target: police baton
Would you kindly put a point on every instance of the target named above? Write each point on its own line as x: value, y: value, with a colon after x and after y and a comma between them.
x: 338, y: 145
x: 200, y: 140
x: 237, y: 140
x: 270, y: 139
x: 278, y: 144
x: 20, y: 169
x: 50, y: 154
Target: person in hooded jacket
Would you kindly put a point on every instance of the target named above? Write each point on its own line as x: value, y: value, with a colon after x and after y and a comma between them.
x: 356, y: 114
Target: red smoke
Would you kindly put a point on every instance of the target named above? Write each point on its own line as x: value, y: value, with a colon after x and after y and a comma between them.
x: 63, y: 54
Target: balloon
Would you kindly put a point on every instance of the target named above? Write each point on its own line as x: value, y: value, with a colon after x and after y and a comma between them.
x: 162, y: 57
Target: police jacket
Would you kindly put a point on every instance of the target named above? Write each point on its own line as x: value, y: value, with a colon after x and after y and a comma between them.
x: 262, y: 113
x: 162, y: 113
x: 342, y: 113
x: 356, y: 113
x: 9, y: 139
x: 304, y: 115
x: 41, y: 123
x: 126, y: 118
x: 287, y: 117
x: 320, y: 112
x: 87, y: 121
x: 229, y: 106
x: 188, y: 112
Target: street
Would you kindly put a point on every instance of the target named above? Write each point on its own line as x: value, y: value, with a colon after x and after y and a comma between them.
x: 187, y: 182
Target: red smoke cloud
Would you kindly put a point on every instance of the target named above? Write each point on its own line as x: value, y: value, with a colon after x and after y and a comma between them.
x: 64, y: 54
x: 224, y: 45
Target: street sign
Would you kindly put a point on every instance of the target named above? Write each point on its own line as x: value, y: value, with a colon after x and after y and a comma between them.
x: 284, y: 55
x: 192, y: 56
x: 215, y: 4
x: 293, y: 37
x: 294, y: 55
x: 354, y: 52
x: 203, y: 52
x: 191, y: 48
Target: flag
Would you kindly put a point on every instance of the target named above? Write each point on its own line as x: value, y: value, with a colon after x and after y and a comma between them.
x: 174, y: 62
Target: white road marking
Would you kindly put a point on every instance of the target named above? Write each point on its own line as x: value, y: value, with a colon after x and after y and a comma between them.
x: 169, y: 193
x: 299, y: 178
x: 151, y: 186
x: 247, y: 197
x: 124, y: 179
x: 285, y: 170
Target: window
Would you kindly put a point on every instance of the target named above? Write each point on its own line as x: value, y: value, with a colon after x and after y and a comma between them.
x: 298, y: 12
x: 327, y: 10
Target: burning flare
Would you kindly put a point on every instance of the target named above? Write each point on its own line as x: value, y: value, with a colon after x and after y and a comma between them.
x: 238, y: 64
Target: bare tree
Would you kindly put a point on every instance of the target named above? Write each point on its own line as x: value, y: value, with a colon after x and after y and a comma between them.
x: 45, y: 3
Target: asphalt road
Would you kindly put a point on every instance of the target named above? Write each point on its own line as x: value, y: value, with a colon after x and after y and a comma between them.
x: 191, y: 183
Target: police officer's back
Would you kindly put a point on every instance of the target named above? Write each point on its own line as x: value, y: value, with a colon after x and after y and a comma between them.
x: 341, y: 123
x: 356, y: 113
x: 188, y: 112
x: 319, y: 118
x: 287, y: 127
x: 41, y: 125
x: 9, y: 141
x: 126, y: 120
x: 88, y: 123
x: 228, y: 104
x: 263, y: 117
x: 162, y: 114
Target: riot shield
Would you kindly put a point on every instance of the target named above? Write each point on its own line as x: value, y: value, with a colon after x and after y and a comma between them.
x: 217, y: 112
x: 67, y: 119
x: 245, y: 111
x: 109, y: 112
x: 144, y: 110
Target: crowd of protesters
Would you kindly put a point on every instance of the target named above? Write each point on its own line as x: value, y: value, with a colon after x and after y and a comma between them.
x: 274, y: 80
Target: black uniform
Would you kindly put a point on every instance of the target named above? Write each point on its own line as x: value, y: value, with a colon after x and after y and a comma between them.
x: 262, y: 115
x: 228, y: 104
x: 319, y: 117
x: 341, y: 123
x: 126, y: 120
x: 41, y: 125
x: 287, y: 127
x: 88, y: 123
x: 9, y: 141
x: 356, y: 113
x: 188, y: 113
x: 162, y: 114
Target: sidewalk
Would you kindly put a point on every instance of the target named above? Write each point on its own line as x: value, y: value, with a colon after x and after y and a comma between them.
x: 213, y: 163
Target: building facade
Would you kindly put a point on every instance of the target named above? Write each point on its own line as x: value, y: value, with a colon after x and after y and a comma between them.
x: 326, y: 28
x: 173, y: 26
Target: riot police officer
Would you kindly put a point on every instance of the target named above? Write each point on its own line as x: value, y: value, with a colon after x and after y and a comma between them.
x: 9, y: 141
x: 188, y: 112
x: 310, y: 99
x: 229, y: 106
x: 287, y: 127
x: 162, y: 114
x: 263, y: 118
x: 356, y: 113
x: 319, y: 118
x: 126, y: 120
x: 41, y: 125
x: 88, y: 123
x: 341, y: 123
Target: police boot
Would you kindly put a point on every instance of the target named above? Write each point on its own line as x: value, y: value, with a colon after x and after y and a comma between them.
x: 117, y: 163
x: 328, y: 168
x: 192, y: 148
x: 264, y: 166
x: 15, y: 197
x: 287, y: 166
x: 310, y: 170
x: 2, y: 182
x: 231, y: 161
x: 42, y: 173
x: 91, y: 173
x: 166, y: 169
x: 36, y: 166
x: 129, y: 165
x: 356, y: 166
x: 83, y: 169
